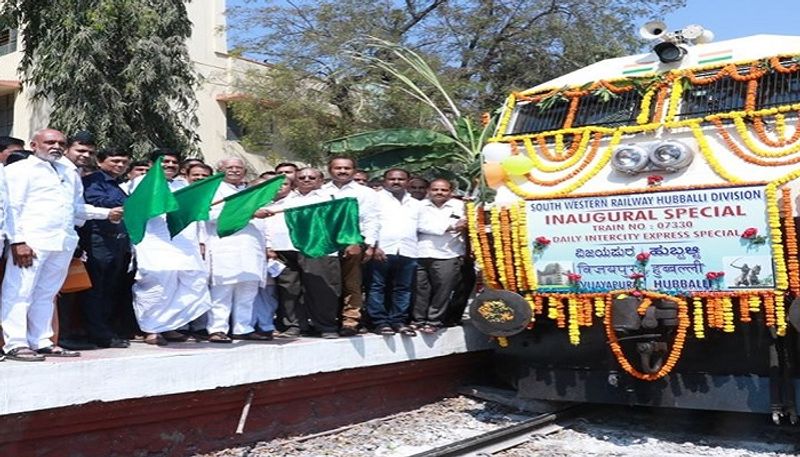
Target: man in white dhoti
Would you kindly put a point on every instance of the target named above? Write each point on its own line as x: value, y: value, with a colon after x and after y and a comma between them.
x: 237, y: 265
x: 44, y: 200
x: 171, y: 287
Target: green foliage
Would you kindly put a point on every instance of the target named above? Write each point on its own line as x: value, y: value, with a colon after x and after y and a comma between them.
x: 118, y: 68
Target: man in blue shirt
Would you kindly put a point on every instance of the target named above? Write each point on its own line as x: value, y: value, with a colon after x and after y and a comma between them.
x: 107, y: 248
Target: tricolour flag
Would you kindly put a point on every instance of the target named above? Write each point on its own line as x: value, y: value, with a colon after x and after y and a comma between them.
x: 194, y: 203
x: 151, y: 198
x: 240, y: 207
x: 324, y: 228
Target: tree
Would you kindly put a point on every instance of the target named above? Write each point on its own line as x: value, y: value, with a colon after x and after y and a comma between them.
x: 118, y: 68
x: 480, y: 49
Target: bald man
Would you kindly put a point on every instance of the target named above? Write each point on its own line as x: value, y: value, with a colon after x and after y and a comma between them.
x: 44, y: 201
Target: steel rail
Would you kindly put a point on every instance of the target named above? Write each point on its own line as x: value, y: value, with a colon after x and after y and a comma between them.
x: 503, y: 438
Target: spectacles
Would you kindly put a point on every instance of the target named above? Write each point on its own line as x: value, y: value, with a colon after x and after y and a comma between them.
x: 306, y: 178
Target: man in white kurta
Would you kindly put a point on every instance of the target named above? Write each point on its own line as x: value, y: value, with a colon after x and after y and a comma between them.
x: 171, y: 287
x: 44, y: 200
x: 237, y: 263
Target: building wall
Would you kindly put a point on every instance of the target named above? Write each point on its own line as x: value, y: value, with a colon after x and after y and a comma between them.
x: 207, y: 48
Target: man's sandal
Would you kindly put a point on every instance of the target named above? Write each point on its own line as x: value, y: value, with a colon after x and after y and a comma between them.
x: 24, y: 355
x: 219, y: 337
x: 57, y: 351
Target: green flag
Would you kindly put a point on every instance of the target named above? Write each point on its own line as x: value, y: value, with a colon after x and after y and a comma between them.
x: 194, y: 202
x: 239, y: 207
x: 324, y: 228
x: 151, y: 198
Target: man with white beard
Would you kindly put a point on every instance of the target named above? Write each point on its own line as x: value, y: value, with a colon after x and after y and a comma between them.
x: 44, y: 200
x: 237, y: 265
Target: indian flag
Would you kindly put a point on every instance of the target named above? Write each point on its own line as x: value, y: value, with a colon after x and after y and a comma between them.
x: 715, y: 56
x: 638, y: 68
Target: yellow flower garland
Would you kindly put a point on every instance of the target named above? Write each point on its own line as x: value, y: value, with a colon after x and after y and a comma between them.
x: 705, y: 149
x: 674, y: 99
x: 780, y: 126
x: 525, y: 250
x: 727, y: 315
x: 741, y: 128
x: 472, y: 227
x: 644, y: 109
x: 541, y: 166
x: 615, y: 139
x: 517, y: 252
x: 497, y: 241
x: 698, y: 320
x: 574, y: 321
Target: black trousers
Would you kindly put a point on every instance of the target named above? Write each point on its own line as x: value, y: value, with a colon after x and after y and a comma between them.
x: 436, y: 281
x: 107, y: 301
x: 309, y: 288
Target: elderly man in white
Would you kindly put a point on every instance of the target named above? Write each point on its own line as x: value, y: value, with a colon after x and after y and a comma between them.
x: 237, y: 265
x: 44, y: 201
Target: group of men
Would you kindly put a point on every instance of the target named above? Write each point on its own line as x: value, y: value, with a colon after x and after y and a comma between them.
x: 58, y: 205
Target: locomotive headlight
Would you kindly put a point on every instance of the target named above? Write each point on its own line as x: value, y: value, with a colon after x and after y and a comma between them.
x: 629, y: 159
x: 671, y: 156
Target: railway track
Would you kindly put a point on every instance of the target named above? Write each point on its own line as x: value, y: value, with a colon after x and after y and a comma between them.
x: 489, y: 443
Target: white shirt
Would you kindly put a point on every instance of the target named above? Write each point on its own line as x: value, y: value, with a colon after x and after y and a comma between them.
x: 399, y: 222
x: 368, y: 211
x: 237, y: 257
x: 44, y: 201
x: 275, y: 229
x: 435, y: 241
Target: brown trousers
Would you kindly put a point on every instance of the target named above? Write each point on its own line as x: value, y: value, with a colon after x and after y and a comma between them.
x: 352, y: 301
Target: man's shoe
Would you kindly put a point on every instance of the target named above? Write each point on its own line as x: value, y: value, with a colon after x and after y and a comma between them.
x: 330, y: 335
x: 117, y: 343
x: 254, y: 336
x: 385, y: 330
x: 265, y: 336
x: 77, y: 345
x: 291, y: 332
x: 348, y: 331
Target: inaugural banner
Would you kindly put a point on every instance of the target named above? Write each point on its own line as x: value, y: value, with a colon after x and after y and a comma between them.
x: 687, y: 234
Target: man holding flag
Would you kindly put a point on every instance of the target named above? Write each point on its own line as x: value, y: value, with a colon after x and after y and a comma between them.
x: 171, y: 287
x: 237, y: 256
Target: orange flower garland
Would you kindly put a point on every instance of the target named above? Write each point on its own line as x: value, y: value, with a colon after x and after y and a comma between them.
x: 571, y: 111
x: 677, y: 345
x: 776, y: 65
x: 768, y: 300
x: 484, y: 249
x: 792, y: 262
x: 508, y: 251
x: 744, y: 308
x: 733, y: 147
x: 589, y: 157
x: 558, y: 154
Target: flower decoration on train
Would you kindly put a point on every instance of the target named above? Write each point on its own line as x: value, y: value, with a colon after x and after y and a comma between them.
x: 655, y: 180
x: 540, y: 243
x: 574, y: 280
x: 642, y: 258
x: 751, y: 236
x: 715, y: 279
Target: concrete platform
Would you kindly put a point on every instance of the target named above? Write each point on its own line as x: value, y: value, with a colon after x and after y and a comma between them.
x: 188, y: 397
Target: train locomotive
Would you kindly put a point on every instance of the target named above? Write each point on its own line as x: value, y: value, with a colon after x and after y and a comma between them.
x: 642, y: 244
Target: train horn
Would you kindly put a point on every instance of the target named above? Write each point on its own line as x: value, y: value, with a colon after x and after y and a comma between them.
x: 652, y: 30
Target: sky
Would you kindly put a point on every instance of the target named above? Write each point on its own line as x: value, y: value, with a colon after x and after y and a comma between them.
x: 726, y: 18
x: 730, y: 19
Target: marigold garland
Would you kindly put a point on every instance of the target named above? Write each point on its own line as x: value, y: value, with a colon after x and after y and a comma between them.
x: 573, y: 155
x: 698, y: 322
x: 674, y: 100
x: 677, y: 345
x: 525, y: 250
x: 741, y: 129
x: 727, y: 315
x: 514, y: 247
x: 744, y: 308
x: 780, y: 315
x: 508, y: 251
x: 644, y: 108
x: 485, y: 249
x: 497, y: 243
x: 780, y: 131
x: 574, y: 321
x: 571, y: 111
x: 712, y: 161
x: 589, y: 157
x: 768, y: 300
x: 792, y: 262
x: 733, y: 147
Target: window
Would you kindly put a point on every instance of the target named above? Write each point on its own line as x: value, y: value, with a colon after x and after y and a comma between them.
x: 8, y: 41
x: 723, y: 95
x: 234, y: 129
x: 619, y: 110
x: 532, y: 119
x: 6, y: 114
x: 776, y: 89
